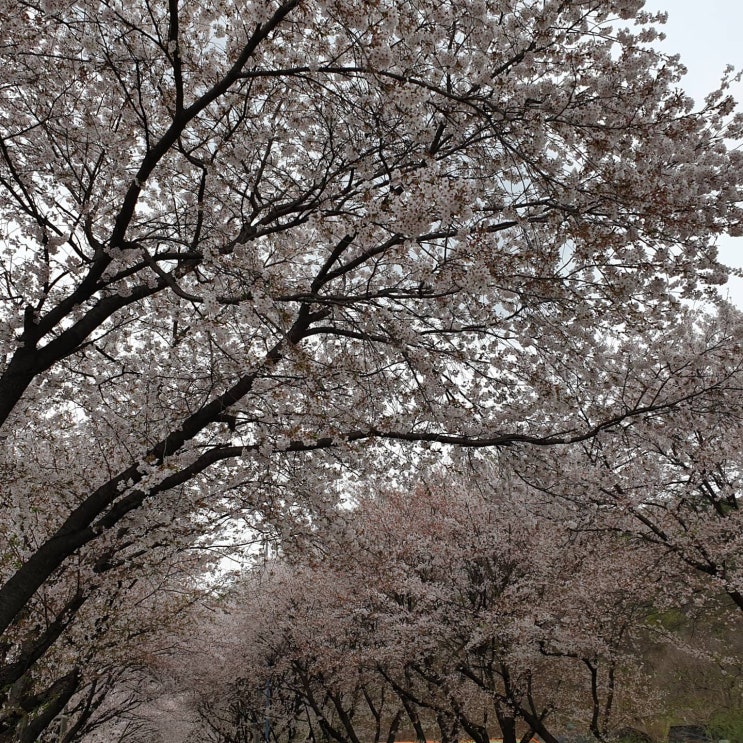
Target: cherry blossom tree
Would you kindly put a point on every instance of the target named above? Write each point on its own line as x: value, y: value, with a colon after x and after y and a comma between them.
x: 246, y: 244
x: 446, y: 611
x: 672, y: 481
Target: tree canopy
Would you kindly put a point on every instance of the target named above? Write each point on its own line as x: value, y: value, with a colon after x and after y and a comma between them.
x: 254, y: 252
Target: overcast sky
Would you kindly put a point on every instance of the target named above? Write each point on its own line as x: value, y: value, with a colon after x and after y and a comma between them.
x: 708, y: 35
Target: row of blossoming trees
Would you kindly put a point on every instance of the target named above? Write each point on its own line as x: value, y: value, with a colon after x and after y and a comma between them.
x: 256, y: 253
x: 460, y: 609
x: 491, y: 596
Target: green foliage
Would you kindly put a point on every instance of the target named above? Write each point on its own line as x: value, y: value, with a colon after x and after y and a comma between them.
x: 671, y: 620
x: 727, y: 725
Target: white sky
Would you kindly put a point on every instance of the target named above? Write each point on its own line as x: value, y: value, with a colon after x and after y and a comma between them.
x: 708, y: 35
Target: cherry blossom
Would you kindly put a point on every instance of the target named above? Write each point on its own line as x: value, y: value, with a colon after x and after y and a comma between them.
x: 253, y: 252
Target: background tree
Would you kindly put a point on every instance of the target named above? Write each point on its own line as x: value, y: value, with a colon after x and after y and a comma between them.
x: 438, y: 613
x: 244, y: 241
x: 672, y: 481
